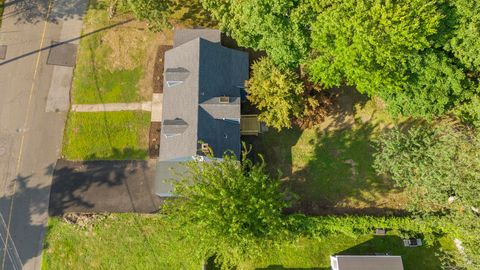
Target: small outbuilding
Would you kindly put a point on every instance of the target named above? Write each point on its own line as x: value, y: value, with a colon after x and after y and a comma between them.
x: 366, y: 262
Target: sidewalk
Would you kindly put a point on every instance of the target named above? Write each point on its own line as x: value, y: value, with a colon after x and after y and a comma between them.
x: 112, y: 107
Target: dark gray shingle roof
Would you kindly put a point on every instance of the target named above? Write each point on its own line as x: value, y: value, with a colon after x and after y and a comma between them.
x: 219, y: 110
x: 174, y: 76
x: 214, y: 71
x: 174, y: 127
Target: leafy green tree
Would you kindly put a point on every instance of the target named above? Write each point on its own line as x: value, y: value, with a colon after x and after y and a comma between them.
x: 465, y: 42
x: 279, y: 27
x: 393, y: 49
x: 363, y: 41
x: 153, y: 11
x: 382, y: 48
x: 468, y: 226
x: 438, y: 165
x: 231, y: 209
x: 276, y: 92
x: 434, y: 86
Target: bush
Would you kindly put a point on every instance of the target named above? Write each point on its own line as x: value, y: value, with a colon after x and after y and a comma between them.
x: 276, y: 92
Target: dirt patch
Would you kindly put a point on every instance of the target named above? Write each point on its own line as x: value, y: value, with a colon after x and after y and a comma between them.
x: 157, y: 78
x: 83, y: 220
x: 342, y: 114
x: 154, y: 140
x: 147, y: 84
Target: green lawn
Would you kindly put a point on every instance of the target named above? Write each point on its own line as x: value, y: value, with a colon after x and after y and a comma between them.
x: 121, y: 241
x: 110, y: 135
x: 128, y: 241
x: 331, y: 165
x: 111, y: 61
x: 310, y: 253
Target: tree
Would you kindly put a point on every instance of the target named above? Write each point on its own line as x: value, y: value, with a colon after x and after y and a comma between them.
x: 353, y: 39
x: 276, y: 92
x: 368, y: 44
x: 434, y: 86
x: 468, y: 226
x: 154, y: 11
x: 465, y: 43
x: 392, y: 49
x: 439, y: 165
x: 231, y: 209
x: 279, y: 27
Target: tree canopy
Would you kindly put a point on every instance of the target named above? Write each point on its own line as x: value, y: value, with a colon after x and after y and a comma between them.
x: 390, y: 49
x: 465, y: 43
x: 231, y: 208
x: 153, y: 11
x: 276, y: 92
x: 279, y: 27
x: 438, y: 165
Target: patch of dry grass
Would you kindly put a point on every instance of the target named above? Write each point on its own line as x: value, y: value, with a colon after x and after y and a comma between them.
x: 113, y: 61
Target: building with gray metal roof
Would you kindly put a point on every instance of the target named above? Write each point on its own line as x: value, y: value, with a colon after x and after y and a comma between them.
x: 366, y: 262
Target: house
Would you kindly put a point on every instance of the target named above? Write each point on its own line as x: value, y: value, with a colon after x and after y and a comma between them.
x: 366, y: 262
x: 201, y: 102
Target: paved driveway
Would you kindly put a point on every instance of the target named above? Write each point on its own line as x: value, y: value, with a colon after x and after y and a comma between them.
x: 103, y: 186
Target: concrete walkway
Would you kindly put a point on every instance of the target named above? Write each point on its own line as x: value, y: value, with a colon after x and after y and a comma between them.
x: 112, y: 107
x: 157, y: 101
x: 154, y: 106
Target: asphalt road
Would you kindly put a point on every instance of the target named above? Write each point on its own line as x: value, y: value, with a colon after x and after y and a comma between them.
x: 30, y: 137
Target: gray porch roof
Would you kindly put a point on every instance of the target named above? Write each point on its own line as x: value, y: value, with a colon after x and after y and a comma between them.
x: 182, y: 36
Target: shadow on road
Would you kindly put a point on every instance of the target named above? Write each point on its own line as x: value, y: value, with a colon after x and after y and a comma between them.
x: 16, y: 217
x: 34, y: 11
x: 63, y: 42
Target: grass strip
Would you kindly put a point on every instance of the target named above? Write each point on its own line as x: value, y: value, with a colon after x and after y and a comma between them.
x: 106, y: 135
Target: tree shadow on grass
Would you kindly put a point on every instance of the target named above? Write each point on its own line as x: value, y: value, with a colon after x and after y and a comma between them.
x: 330, y: 166
x: 275, y: 147
x: 126, y: 153
x: 339, y: 176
